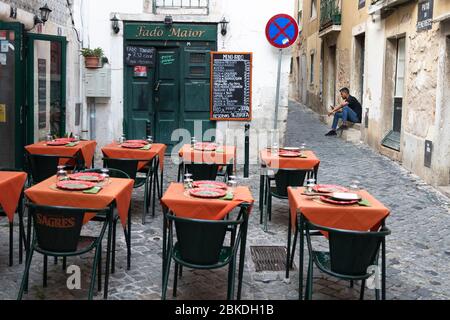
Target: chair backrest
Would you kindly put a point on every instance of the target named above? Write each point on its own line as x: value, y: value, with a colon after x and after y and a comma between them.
x: 113, y: 173
x: 43, y: 166
x: 57, y: 229
x: 351, y: 252
x: 202, y: 171
x: 285, y: 178
x: 200, y: 241
x: 129, y: 166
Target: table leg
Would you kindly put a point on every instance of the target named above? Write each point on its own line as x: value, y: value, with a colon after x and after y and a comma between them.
x: 242, y: 254
x: 165, y: 211
x: 261, y: 196
x: 108, y: 250
x: 300, y: 266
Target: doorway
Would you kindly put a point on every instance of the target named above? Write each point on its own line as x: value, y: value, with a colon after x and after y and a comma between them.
x: 12, y: 79
x: 173, y: 94
x: 331, y: 92
x: 399, y: 86
x: 360, y: 53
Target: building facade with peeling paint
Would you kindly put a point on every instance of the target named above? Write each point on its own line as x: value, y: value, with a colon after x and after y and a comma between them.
x: 394, y: 55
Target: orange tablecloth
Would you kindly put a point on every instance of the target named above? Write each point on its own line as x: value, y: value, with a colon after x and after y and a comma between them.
x: 355, y: 217
x: 119, y: 190
x: 11, y: 186
x: 289, y: 163
x: 114, y: 150
x: 87, y: 150
x: 186, y: 206
x: 223, y: 155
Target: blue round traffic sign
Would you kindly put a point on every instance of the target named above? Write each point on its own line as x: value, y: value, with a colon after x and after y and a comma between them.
x: 282, y: 31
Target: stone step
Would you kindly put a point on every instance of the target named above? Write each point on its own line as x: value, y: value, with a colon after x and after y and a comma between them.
x: 352, y: 134
x: 445, y: 190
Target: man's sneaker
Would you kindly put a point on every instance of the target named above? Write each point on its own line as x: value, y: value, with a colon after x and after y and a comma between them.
x: 331, y: 133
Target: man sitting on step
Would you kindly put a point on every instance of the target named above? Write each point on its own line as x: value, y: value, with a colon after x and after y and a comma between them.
x: 349, y: 110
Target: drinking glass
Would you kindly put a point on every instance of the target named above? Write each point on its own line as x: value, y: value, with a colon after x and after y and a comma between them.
x: 354, y: 185
x: 193, y: 142
x: 150, y: 139
x: 122, y: 139
x: 302, y: 147
x: 105, y: 175
x: 188, y: 176
x: 61, y: 175
x: 49, y: 137
x: 232, y: 184
x: 188, y: 184
x: 275, y: 148
x: 310, y: 184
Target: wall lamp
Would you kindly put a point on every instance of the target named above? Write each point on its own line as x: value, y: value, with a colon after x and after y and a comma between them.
x: 45, y: 13
x: 223, y: 26
x: 115, y: 24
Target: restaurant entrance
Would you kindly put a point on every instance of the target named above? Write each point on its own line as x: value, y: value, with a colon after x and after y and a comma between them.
x: 32, y: 90
x: 12, y: 82
x: 173, y: 92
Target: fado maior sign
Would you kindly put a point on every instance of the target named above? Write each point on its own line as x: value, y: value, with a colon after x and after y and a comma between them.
x: 176, y: 32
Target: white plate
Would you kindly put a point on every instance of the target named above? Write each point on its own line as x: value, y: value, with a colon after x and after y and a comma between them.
x: 345, y: 196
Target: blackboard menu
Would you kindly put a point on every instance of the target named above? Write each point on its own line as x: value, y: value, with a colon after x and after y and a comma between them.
x: 140, y: 56
x: 231, y: 92
x: 425, y: 18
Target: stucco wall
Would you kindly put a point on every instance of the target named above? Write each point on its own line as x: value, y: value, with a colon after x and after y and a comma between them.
x: 245, y: 33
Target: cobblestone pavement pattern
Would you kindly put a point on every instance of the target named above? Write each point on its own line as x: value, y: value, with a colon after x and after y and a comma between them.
x: 418, y: 249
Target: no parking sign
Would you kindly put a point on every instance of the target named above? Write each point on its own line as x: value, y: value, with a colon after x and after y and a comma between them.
x: 282, y: 31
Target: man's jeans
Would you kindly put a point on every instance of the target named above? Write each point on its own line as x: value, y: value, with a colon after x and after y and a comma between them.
x: 347, y: 114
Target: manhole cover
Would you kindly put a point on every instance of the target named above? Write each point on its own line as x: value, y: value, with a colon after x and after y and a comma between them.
x: 269, y: 258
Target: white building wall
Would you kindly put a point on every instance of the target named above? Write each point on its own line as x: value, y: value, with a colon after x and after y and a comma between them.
x: 246, y: 32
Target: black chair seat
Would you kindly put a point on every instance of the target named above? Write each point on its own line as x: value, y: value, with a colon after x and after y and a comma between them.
x: 273, y: 192
x: 85, y: 244
x: 323, y: 259
x: 226, y: 254
x: 139, y: 182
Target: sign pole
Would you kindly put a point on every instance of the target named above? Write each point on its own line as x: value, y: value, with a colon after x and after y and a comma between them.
x: 277, y: 99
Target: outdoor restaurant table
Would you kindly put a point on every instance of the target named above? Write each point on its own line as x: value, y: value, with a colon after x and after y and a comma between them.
x: 87, y: 149
x: 309, y: 162
x: 183, y: 205
x: 345, y: 217
x: 11, y: 187
x: 117, y: 193
x: 114, y: 150
x: 224, y: 155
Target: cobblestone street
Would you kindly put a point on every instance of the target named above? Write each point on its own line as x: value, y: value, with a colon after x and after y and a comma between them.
x: 418, y: 250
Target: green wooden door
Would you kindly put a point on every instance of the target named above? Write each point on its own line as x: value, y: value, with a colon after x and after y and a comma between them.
x: 12, y: 95
x: 195, y: 101
x: 138, y: 102
x: 167, y: 95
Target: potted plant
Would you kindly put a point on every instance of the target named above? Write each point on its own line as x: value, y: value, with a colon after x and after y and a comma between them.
x: 92, y: 57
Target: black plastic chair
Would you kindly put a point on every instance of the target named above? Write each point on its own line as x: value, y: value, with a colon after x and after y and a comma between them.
x: 201, y: 246
x: 202, y: 171
x: 115, y: 173
x: 22, y: 239
x: 350, y: 255
x: 283, y: 179
x: 130, y: 167
x: 57, y: 233
x: 43, y: 166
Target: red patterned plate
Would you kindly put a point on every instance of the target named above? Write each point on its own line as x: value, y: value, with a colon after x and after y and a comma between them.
x: 132, y: 145
x: 75, y: 185
x: 289, y: 154
x: 210, y: 184
x: 207, y: 193
x: 329, y: 200
x: 205, y: 146
x: 68, y: 140
x: 137, y: 141
x: 329, y: 188
x: 56, y: 143
x: 87, y: 176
